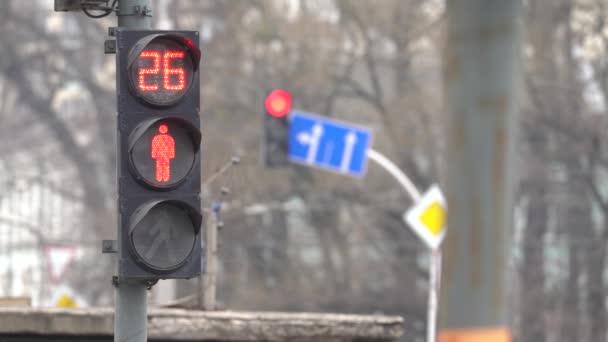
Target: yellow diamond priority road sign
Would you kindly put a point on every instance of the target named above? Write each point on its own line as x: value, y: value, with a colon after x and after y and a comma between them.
x: 428, y: 217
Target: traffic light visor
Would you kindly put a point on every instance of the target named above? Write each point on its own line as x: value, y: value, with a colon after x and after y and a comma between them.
x: 278, y: 103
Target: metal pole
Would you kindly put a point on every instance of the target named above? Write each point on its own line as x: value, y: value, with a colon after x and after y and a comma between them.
x: 211, y: 264
x: 131, y: 311
x: 130, y: 319
x: 399, y: 175
x: 434, y: 255
x: 209, y: 280
x: 433, y: 299
x: 482, y: 71
x: 136, y: 14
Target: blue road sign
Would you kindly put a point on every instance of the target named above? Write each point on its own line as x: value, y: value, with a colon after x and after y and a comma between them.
x: 328, y: 144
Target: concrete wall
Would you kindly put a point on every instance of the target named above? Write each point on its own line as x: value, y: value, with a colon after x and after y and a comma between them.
x: 29, y: 325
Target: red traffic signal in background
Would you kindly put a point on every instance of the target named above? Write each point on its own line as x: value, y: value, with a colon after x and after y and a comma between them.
x: 278, y: 103
x: 276, y: 128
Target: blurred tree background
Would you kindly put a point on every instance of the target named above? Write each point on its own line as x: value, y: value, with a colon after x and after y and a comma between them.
x: 296, y: 238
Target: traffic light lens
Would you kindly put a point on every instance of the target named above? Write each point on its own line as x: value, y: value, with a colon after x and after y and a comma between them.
x: 164, y: 154
x: 278, y: 103
x: 164, y: 238
x: 162, y: 72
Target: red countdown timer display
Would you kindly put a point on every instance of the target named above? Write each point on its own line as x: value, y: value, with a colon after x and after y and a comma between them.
x: 162, y: 72
x: 163, y: 152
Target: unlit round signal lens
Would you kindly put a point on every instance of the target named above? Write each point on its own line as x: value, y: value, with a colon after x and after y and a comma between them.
x: 278, y: 103
x: 164, y: 238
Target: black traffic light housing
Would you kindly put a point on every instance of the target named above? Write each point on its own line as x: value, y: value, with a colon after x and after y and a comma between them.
x: 277, y: 105
x: 159, y: 173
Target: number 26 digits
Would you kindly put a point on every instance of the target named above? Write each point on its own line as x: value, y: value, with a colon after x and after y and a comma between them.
x: 167, y: 71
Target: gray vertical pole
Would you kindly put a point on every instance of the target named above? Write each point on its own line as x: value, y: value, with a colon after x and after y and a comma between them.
x: 131, y: 312
x: 11, y: 249
x: 433, y: 300
x: 210, y: 277
x: 481, y: 74
x: 135, y: 14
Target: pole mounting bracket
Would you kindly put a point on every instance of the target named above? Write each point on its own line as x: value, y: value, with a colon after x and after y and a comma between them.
x: 109, y: 246
x: 137, y: 10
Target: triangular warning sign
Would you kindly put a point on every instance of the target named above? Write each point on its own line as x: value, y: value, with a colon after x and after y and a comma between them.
x: 58, y: 259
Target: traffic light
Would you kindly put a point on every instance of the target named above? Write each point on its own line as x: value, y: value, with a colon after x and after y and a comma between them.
x: 159, y: 137
x: 276, y: 128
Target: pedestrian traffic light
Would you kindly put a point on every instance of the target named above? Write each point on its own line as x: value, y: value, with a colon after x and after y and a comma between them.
x: 276, y: 128
x: 159, y: 139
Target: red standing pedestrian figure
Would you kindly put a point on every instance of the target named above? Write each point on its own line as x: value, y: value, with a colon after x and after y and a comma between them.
x: 163, y: 150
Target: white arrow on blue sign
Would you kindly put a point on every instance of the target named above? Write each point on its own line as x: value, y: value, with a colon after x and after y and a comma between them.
x: 328, y: 144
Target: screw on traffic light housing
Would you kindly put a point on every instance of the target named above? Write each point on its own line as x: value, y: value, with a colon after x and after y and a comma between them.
x: 159, y: 137
x: 277, y: 106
